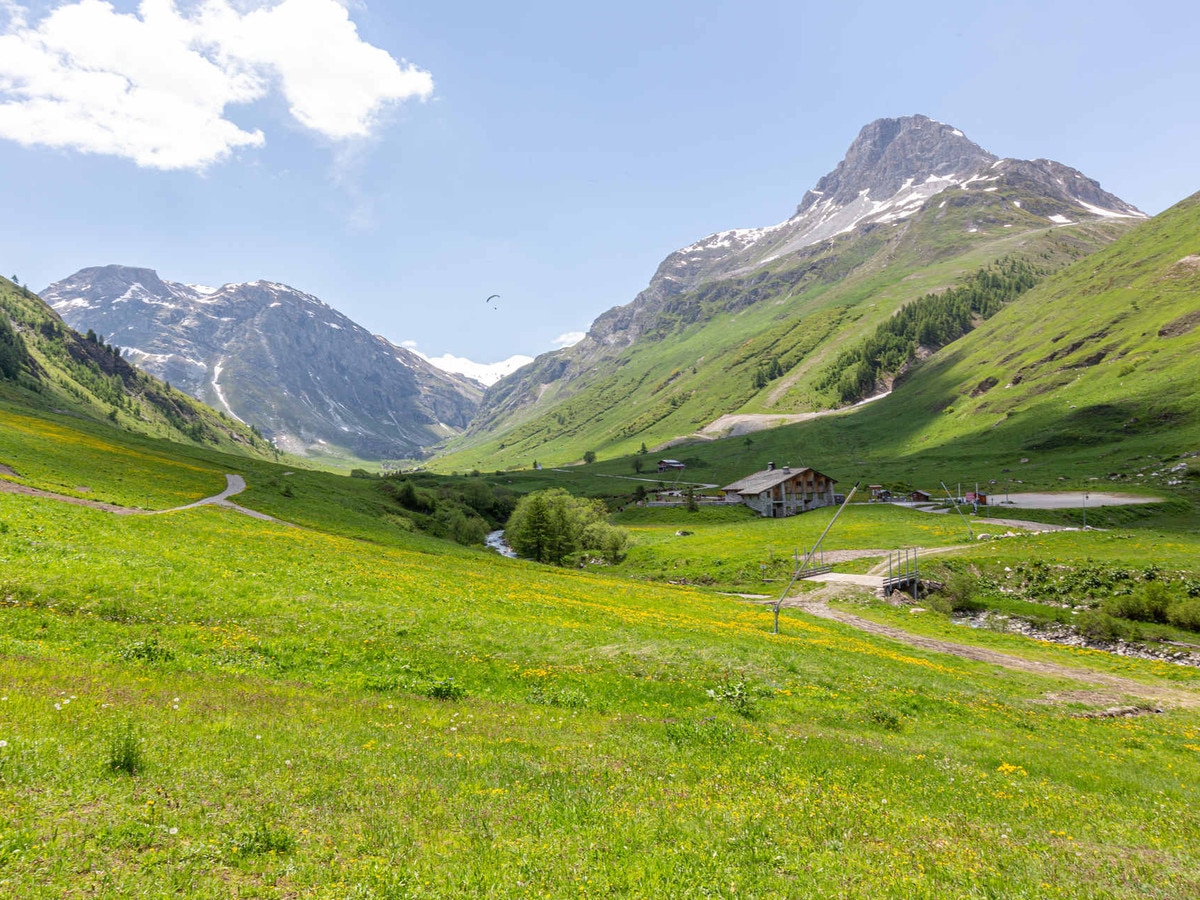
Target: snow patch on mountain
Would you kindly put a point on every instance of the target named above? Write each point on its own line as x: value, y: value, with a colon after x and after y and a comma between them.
x: 216, y: 386
x: 1111, y: 213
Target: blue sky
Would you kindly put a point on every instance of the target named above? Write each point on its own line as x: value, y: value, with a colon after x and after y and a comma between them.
x: 403, y: 161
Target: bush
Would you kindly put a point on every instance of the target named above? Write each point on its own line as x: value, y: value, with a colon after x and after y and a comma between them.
x: 1148, y: 604
x: 124, y: 750
x: 885, y: 718
x: 150, y: 651
x: 736, y: 694
x: 959, y: 593
x: 1098, y: 625
x: 446, y: 689
x: 1185, y: 614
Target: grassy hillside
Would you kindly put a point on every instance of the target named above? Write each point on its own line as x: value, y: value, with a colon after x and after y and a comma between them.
x: 207, y: 705
x: 699, y: 358
x: 1087, y: 380
x: 63, y: 371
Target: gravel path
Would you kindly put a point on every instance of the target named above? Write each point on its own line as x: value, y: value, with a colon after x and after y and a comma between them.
x: 817, y: 605
x: 234, y: 484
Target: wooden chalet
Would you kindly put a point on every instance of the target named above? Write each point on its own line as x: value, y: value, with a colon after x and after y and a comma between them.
x: 775, y: 493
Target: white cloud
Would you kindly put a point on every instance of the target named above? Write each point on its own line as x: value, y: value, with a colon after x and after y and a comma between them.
x: 570, y: 339
x: 485, y: 373
x: 154, y: 86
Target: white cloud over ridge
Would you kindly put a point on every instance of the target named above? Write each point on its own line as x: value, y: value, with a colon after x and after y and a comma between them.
x: 153, y: 86
x: 569, y: 339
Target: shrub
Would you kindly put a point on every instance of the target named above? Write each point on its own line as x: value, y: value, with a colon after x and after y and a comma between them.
x: 446, y: 689
x: 1148, y: 604
x: 885, y: 718
x: 262, y: 839
x: 1185, y: 614
x: 736, y: 694
x: 1129, y: 606
x: 124, y: 750
x: 150, y: 651
x: 1097, y: 625
x: 959, y: 593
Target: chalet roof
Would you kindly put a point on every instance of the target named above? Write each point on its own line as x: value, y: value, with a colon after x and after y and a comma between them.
x: 766, y: 479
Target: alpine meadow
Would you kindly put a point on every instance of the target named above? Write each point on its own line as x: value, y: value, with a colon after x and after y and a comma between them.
x: 857, y: 556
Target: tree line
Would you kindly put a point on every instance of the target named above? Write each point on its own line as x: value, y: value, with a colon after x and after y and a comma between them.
x: 932, y: 321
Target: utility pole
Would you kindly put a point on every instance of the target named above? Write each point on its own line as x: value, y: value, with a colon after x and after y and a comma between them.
x: 954, y: 500
x: 809, y: 556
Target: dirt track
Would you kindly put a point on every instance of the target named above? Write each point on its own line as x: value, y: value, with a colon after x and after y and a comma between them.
x: 817, y: 605
x: 234, y: 484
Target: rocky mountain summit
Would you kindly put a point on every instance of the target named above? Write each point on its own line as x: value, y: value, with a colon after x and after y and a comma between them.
x: 891, y: 170
x: 306, y: 375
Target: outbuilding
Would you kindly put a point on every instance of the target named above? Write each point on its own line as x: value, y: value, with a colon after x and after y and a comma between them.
x: 775, y: 493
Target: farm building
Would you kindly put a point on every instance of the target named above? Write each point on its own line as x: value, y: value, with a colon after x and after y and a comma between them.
x: 670, y: 465
x: 776, y: 493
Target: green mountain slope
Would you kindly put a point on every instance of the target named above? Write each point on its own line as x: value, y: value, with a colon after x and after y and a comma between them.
x: 1089, y: 379
x: 47, y: 365
x: 1106, y: 350
x: 700, y: 358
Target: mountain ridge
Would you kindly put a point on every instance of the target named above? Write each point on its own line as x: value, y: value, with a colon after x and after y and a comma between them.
x: 75, y: 375
x: 311, y: 378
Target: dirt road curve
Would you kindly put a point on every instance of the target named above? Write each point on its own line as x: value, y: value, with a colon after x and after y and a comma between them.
x: 1160, y: 695
x: 234, y: 484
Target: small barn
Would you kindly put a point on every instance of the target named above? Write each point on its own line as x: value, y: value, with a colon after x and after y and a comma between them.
x: 776, y: 493
x: 670, y: 465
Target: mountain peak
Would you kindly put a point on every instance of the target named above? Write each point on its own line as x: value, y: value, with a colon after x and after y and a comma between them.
x: 267, y: 353
x: 889, y: 152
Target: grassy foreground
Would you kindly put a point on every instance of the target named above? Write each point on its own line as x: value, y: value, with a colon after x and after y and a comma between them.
x: 201, y: 704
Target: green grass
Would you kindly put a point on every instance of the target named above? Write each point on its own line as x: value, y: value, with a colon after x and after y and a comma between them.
x: 310, y: 714
x: 736, y: 550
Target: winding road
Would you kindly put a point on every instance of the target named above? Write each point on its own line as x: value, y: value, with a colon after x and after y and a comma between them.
x: 234, y: 484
